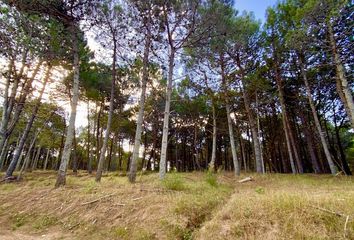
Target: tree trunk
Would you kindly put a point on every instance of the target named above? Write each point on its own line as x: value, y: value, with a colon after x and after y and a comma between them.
x: 28, y: 156
x: 315, y: 116
x: 252, y: 121
x: 110, y: 116
x: 310, y: 143
x: 20, y: 159
x: 229, y: 121
x: 341, y: 76
x: 5, y: 116
x: 61, y: 179
x: 139, y: 123
x: 7, y: 127
x: 4, y: 153
x: 28, y: 127
x: 74, y: 156
x: 213, y: 151
x: 284, y: 116
x: 232, y: 141
x: 89, y: 158
x: 35, y: 160
x: 343, y: 159
x: 46, y: 160
x: 98, y: 130
x: 162, y: 169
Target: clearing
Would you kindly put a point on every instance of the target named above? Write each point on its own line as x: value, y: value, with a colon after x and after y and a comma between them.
x: 184, y: 206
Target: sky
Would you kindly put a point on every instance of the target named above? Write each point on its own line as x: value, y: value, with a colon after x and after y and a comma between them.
x: 258, y: 7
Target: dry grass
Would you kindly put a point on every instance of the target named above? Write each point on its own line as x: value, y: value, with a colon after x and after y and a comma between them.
x: 184, y: 206
x: 149, y: 209
x: 285, y: 207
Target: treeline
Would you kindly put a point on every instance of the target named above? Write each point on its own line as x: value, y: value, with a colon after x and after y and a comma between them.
x: 197, y: 84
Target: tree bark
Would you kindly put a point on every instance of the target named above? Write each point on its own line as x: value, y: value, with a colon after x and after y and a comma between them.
x: 139, y: 123
x: 74, y: 156
x: 284, y: 115
x: 315, y: 117
x: 110, y: 116
x: 229, y: 120
x: 7, y: 127
x: 35, y: 160
x: 28, y: 127
x: 89, y: 157
x: 26, y: 162
x: 341, y: 76
x: 251, y: 119
x: 46, y: 160
x: 4, y: 153
x: 213, y: 149
x: 61, y: 179
x: 162, y: 167
x: 5, y: 113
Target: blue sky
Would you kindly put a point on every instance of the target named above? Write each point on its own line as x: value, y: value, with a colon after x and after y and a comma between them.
x: 257, y: 6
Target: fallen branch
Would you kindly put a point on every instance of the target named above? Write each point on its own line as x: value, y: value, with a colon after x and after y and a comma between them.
x: 338, y: 173
x: 73, y: 226
x: 119, y: 204
x: 345, y: 226
x: 330, y: 211
x: 135, y: 199
x: 158, y: 190
x: 247, y: 179
x: 98, y: 199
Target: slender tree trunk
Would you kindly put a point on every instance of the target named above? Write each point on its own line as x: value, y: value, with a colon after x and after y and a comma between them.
x: 46, y: 160
x: 61, y: 149
x: 9, y: 101
x: 4, y: 153
x: 284, y: 117
x: 232, y: 141
x: 315, y: 116
x: 28, y: 127
x: 61, y: 179
x: 162, y: 169
x: 254, y: 132
x: 341, y: 76
x: 252, y: 121
x: 35, y: 160
x: 7, y: 127
x: 259, y: 134
x: 110, y: 116
x: 89, y: 158
x: 28, y: 156
x: 139, y: 123
x: 310, y: 143
x: 5, y: 116
x: 108, y: 168
x: 98, y: 130
x: 20, y: 159
x: 229, y: 120
x: 343, y: 159
x: 213, y: 149
x: 74, y: 156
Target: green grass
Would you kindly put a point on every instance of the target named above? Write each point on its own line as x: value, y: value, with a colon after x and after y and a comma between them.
x: 174, y: 182
x: 45, y: 221
x: 18, y: 220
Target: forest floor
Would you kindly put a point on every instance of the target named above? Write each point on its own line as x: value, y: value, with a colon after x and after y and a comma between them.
x: 184, y: 206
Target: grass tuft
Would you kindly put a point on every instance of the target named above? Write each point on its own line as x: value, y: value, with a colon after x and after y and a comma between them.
x: 44, y: 222
x: 211, y: 179
x: 174, y: 182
